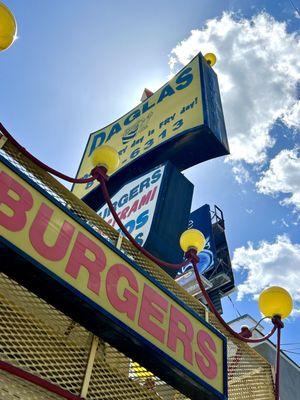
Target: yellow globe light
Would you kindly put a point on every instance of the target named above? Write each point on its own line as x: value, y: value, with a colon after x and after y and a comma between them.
x: 106, y: 156
x: 275, y: 301
x: 8, y: 27
x: 192, y: 239
x: 211, y: 59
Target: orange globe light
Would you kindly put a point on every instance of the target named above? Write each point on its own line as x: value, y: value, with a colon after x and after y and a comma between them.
x: 106, y: 156
x: 211, y: 59
x: 8, y: 27
x: 275, y: 301
x: 192, y: 239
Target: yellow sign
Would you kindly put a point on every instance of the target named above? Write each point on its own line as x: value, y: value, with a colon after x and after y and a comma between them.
x: 172, y: 110
x: 74, y: 254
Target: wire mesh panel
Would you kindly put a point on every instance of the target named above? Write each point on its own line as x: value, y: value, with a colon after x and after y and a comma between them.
x: 13, y: 388
x: 42, y: 340
x: 38, y: 338
x: 249, y: 375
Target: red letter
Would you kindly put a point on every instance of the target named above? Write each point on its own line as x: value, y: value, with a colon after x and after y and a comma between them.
x: 37, y: 231
x: 124, y: 212
x: 16, y: 219
x: 208, y: 365
x: 176, y: 332
x: 149, y: 299
x: 145, y: 199
x: 133, y: 208
x: 79, y: 258
x: 128, y: 303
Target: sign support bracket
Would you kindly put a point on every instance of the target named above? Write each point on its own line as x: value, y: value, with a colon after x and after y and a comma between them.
x: 89, y: 366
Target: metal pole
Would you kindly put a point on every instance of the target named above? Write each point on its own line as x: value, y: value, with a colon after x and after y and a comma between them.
x: 277, y: 375
x: 89, y: 366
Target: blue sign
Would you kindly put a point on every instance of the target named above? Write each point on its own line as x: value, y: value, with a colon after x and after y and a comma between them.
x: 201, y: 220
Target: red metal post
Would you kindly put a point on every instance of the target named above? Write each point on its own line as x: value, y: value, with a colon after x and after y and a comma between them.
x: 36, y: 380
x: 280, y: 325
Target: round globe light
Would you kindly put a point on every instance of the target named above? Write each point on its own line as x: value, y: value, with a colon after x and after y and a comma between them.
x: 275, y: 301
x: 8, y: 27
x: 211, y: 59
x: 192, y: 239
x: 106, y: 156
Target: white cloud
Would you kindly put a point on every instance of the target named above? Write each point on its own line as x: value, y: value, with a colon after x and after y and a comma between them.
x: 241, y: 174
x: 258, y: 68
x: 283, y: 176
x: 267, y: 265
x: 292, y: 117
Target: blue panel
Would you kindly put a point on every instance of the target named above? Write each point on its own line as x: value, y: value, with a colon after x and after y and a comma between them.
x: 201, y: 220
x: 213, y: 112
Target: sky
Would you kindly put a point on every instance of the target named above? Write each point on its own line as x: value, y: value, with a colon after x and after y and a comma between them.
x: 78, y: 65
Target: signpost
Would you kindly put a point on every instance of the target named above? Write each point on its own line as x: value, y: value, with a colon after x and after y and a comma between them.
x: 182, y: 122
x: 82, y: 274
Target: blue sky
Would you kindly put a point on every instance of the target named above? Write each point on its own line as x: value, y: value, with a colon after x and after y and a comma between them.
x: 78, y: 65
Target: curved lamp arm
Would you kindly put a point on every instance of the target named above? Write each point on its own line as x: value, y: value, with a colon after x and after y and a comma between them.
x: 40, y: 163
x: 99, y: 173
x: 219, y: 317
x: 191, y: 256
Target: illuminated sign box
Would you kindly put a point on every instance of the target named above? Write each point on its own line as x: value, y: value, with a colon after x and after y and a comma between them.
x: 182, y: 122
x: 58, y: 256
x: 155, y: 209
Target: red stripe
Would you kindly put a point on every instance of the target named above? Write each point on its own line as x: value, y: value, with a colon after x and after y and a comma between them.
x: 27, y: 376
